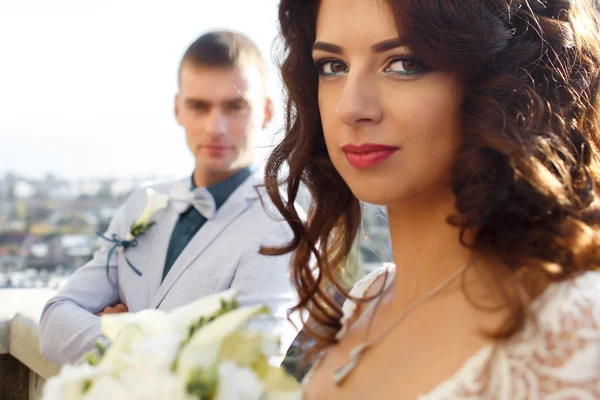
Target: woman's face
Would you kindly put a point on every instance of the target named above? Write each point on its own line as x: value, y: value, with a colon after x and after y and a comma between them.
x: 391, y: 124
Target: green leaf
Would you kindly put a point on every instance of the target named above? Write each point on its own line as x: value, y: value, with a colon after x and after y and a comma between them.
x: 277, y: 380
x: 203, y: 384
x: 139, y: 229
x: 243, y: 348
x: 204, y: 347
x: 226, y: 306
x: 100, y: 347
x: 94, y: 356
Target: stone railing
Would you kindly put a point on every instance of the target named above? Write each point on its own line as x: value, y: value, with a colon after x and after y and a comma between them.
x: 23, y: 370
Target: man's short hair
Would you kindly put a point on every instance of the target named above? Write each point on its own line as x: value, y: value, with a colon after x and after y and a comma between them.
x: 223, y: 49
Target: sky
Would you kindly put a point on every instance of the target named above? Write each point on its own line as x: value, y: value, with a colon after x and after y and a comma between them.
x: 87, y: 87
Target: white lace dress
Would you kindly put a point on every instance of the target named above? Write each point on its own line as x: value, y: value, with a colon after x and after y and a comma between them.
x: 559, y: 359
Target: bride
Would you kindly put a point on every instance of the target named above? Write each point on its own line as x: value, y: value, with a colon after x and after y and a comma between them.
x: 476, y: 123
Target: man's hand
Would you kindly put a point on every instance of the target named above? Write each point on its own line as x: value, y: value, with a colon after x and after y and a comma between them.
x: 117, y: 309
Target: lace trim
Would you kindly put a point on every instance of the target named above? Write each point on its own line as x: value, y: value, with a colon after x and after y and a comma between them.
x: 557, y: 358
x: 349, y: 308
x: 359, y: 290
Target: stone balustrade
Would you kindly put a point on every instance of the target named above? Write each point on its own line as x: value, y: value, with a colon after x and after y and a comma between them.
x: 23, y: 370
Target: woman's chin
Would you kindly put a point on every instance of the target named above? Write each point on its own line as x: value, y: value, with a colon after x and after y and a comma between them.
x: 374, y: 195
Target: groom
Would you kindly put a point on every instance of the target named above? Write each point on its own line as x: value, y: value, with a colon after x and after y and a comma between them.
x: 208, y: 237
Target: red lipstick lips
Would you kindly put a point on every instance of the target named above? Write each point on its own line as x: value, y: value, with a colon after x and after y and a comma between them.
x: 368, y: 155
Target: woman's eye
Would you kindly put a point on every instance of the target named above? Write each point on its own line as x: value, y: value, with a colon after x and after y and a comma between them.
x: 406, y: 66
x: 331, y: 67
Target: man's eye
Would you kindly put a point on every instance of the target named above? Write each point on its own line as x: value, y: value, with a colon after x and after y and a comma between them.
x: 236, y: 107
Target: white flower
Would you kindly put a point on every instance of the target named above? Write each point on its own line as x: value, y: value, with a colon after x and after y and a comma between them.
x: 270, y: 345
x: 118, y: 356
x: 157, y: 353
x: 132, y: 349
x: 237, y: 383
x: 154, y: 201
x: 280, y: 386
x: 204, y: 347
x: 144, y: 339
x: 107, y: 387
x: 71, y: 382
x: 146, y: 360
x: 150, y: 321
x: 154, y: 321
x: 186, y: 315
x: 292, y: 395
x: 148, y: 384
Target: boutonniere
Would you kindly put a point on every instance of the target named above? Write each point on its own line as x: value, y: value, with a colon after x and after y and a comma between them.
x: 154, y: 202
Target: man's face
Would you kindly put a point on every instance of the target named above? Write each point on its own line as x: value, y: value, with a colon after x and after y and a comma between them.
x: 221, y: 109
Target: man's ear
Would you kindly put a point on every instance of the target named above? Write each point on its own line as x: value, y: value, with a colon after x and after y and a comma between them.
x: 177, y: 109
x: 268, y: 112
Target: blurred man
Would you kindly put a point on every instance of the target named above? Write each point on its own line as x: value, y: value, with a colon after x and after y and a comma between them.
x: 207, y: 239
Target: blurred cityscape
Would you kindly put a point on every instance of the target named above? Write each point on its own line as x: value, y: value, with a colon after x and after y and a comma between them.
x: 48, y: 227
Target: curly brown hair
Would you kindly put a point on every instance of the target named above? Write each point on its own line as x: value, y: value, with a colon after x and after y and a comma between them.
x: 526, y: 174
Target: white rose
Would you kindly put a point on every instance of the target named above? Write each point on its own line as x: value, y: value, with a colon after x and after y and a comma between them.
x: 147, y: 338
x: 71, y: 382
x: 237, y: 383
x: 148, y: 384
x: 107, y: 387
x: 150, y: 321
x: 118, y: 356
x: 157, y: 352
x: 270, y: 345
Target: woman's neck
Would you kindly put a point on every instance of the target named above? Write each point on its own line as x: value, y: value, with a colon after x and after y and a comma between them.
x: 426, y: 249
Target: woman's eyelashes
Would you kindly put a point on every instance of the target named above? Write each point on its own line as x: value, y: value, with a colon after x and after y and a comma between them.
x: 406, y: 66
x: 330, y: 67
x: 401, y: 66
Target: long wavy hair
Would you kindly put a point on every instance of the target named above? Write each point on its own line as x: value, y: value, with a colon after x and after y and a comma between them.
x: 525, y: 177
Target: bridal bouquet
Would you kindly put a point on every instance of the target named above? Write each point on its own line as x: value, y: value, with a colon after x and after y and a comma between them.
x: 202, y: 351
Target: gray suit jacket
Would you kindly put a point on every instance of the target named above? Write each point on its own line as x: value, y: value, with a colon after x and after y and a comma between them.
x: 223, y: 254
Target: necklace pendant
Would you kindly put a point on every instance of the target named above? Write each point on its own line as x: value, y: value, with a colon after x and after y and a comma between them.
x: 340, y: 374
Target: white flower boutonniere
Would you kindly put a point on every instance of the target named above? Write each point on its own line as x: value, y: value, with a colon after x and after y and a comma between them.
x: 155, y: 202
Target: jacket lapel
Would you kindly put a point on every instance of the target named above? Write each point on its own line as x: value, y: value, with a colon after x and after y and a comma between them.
x: 235, y: 205
x: 158, y: 245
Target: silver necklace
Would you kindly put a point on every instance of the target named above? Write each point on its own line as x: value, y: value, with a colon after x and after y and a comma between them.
x: 355, y: 355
